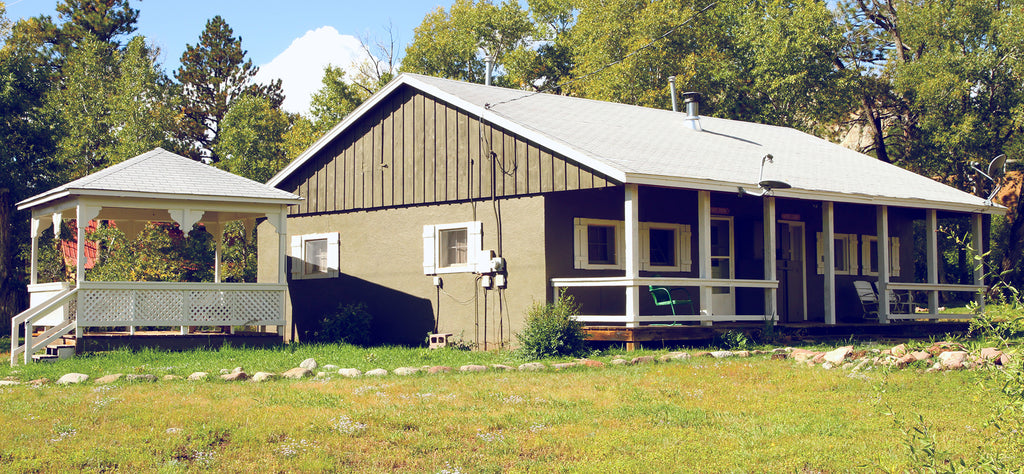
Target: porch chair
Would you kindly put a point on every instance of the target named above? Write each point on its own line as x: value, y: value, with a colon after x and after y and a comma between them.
x: 868, y: 295
x: 663, y: 297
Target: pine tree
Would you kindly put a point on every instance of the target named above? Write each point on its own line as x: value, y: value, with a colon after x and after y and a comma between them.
x: 213, y: 73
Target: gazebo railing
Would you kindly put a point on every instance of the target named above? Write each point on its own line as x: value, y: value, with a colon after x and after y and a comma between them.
x: 104, y: 304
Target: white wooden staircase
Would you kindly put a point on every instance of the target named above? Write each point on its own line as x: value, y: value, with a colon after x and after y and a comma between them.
x: 53, y: 342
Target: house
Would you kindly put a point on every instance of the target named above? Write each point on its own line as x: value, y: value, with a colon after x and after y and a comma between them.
x: 452, y: 207
x: 156, y: 186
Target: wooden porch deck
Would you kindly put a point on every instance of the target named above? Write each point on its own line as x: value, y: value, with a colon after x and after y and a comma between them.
x: 657, y: 336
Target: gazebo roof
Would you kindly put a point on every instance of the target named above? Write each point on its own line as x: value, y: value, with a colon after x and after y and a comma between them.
x: 160, y: 174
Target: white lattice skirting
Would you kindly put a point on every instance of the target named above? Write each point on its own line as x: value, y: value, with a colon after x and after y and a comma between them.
x: 180, y: 304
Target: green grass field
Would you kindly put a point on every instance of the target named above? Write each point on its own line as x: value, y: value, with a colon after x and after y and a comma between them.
x: 698, y: 415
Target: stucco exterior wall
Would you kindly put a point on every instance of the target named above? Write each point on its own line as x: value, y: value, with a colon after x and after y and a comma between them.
x: 381, y: 253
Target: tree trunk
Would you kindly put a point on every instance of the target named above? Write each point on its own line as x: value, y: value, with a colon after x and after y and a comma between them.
x: 8, y: 290
x: 875, y: 122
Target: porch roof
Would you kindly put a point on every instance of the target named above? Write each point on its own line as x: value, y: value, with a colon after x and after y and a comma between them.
x: 160, y: 174
x: 633, y: 144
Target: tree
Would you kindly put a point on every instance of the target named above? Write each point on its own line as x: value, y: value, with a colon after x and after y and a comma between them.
x: 213, y: 73
x: 940, y: 83
x: 334, y: 100
x: 252, y: 139
x: 769, y: 62
x: 454, y: 43
x: 107, y: 107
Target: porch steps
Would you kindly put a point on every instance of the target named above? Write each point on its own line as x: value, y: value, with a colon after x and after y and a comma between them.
x: 62, y: 348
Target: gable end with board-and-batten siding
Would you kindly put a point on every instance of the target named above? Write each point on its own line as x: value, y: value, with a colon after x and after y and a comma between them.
x: 412, y: 149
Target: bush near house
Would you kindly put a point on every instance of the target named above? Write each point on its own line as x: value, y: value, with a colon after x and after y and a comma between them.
x: 550, y: 330
x: 350, y: 324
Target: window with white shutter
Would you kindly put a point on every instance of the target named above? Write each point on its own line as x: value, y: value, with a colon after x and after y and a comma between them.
x: 452, y: 248
x: 315, y: 256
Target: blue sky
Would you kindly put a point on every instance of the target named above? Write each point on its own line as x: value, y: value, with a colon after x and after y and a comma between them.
x: 268, y: 29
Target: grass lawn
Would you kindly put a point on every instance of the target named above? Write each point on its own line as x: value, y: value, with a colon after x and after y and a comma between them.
x: 698, y: 415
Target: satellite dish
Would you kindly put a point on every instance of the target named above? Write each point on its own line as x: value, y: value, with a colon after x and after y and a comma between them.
x: 766, y: 185
x: 996, y: 169
x: 770, y: 184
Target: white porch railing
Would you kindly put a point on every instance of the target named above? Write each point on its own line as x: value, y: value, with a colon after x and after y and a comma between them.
x: 132, y: 304
x: 180, y: 304
x: 933, y: 290
x: 703, y: 285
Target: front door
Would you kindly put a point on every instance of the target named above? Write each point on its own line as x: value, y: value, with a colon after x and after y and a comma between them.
x: 791, y: 270
x: 723, y: 265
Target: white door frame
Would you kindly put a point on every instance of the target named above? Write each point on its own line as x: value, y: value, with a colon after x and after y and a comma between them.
x: 725, y: 303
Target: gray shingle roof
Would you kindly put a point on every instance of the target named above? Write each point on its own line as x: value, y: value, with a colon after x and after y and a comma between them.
x: 643, y: 145
x: 161, y: 172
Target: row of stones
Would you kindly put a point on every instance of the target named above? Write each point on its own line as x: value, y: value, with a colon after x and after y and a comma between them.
x: 942, y: 355
x: 948, y: 356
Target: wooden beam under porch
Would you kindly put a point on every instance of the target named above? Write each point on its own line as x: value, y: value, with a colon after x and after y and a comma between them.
x: 658, y: 336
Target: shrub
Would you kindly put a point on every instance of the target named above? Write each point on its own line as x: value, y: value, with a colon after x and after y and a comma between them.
x: 350, y: 323
x: 551, y: 331
x: 734, y: 340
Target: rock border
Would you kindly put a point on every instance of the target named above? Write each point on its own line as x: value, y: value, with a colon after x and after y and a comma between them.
x: 939, y: 356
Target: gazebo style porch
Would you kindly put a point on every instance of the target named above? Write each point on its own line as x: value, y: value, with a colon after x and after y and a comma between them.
x: 158, y: 186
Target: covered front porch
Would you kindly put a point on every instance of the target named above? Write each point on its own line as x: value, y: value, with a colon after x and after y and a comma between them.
x: 789, y: 236
x: 157, y: 186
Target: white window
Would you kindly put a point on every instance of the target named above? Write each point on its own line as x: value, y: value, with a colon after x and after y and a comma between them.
x: 845, y: 254
x: 598, y: 244
x: 452, y: 248
x: 315, y: 256
x: 869, y: 255
x: 665, y: 247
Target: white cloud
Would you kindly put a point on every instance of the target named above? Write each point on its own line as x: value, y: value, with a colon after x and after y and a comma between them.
x: 301, y: 66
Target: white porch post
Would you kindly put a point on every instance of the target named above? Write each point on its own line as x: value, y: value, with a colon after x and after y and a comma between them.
x: 882, y: 228
x: 280, y: 223
x: 978, y: 236
x: 704, y: 252
x: 83, y: 214
x: 37, y: 230
x: 828, y: 246
x: 932, y: 256
x: 217, y: 229
x: 632, y: 249
x: 770, y: 294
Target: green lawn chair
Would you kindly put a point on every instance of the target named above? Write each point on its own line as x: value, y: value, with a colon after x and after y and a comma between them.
x: 663, y: 297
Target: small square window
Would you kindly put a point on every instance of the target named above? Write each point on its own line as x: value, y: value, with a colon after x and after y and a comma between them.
x: 598, y: 244
x: 315, y: 256
x: 845, y: 258
x: 664, y: 247
x: 453, y: 247
x: 869, y: 255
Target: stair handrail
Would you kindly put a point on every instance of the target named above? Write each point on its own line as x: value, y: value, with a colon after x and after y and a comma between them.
x: 31, y: 315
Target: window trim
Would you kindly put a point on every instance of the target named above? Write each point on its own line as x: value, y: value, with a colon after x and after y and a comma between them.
x: 581, y: 248
x: 867, y: 258
x: 298, y: 256
x: 851, y: 254
x: 432, y: 250
x: 683, y: 239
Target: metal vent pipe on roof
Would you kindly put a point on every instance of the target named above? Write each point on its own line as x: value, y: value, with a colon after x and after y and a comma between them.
x: 490, y: 69
x: 691, y: 101
x: 672, y: 90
